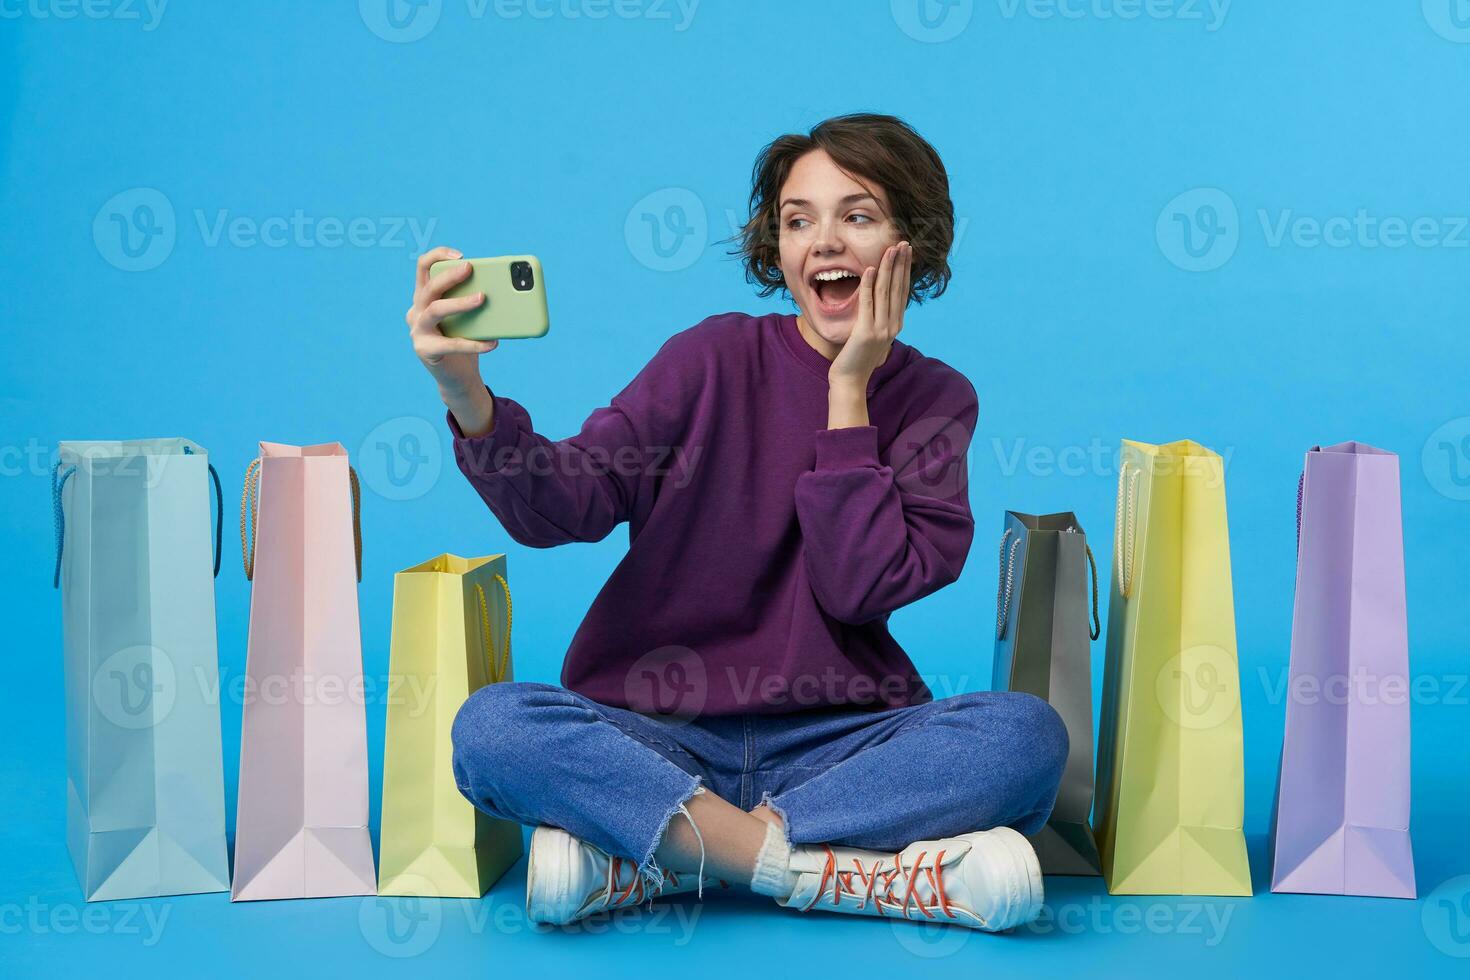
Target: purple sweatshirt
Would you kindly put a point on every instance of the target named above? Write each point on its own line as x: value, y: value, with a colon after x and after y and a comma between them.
x: 765, y: 551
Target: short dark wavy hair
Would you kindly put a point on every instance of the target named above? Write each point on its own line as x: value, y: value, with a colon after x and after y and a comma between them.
x: 882, y: 149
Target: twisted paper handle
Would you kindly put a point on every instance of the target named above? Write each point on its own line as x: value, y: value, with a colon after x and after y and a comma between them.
x: 497, y: 673
x: 58, y: 515
x: 249, y: 506
x: 1123, y: 532
x: 1006, y: 583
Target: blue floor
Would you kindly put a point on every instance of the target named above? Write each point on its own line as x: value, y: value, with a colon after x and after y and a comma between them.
x: 45, y: 924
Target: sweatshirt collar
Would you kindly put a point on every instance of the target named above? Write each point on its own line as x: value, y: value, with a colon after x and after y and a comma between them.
x: 813, y: 360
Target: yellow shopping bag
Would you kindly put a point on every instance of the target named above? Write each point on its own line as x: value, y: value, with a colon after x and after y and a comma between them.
x: 451, y: 636
x: 1170, y: 766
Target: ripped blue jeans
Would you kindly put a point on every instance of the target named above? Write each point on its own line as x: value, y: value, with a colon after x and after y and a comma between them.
x: 539, y: 754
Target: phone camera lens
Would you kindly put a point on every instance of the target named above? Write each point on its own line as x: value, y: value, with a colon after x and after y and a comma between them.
x: 521, y: 276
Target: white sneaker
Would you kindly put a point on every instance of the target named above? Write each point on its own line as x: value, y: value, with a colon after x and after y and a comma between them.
x: 986, y: 880
x: 568, y: 879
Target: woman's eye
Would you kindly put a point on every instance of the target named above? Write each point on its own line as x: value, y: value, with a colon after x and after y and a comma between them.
x: 796, y: 224
x: 860, y: 219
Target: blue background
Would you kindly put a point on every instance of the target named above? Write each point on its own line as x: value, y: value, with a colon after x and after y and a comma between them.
x: 1074, y: 310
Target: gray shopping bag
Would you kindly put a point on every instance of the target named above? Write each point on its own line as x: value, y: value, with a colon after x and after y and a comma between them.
x: 1042, y: 647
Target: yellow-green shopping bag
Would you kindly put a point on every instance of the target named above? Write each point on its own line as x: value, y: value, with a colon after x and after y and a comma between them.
x: 1170, y: 766
x: 451, y: 636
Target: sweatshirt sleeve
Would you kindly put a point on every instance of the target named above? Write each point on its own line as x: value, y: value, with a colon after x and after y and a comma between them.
x: 879, y: 535
x: 546, y: 492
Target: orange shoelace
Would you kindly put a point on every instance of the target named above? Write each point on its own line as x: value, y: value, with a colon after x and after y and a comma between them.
x: 877, y: 885
x: 614, y: 896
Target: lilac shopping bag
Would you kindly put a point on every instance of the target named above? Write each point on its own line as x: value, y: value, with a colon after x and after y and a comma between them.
x: 1341, y: 820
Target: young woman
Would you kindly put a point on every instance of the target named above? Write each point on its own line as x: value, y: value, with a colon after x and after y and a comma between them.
x: 736, y: 672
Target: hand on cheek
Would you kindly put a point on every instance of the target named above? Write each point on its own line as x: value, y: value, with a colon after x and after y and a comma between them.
x: 882, y: 296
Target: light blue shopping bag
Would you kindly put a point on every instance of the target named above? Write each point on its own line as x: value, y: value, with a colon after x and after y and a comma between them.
x: 145, y: 780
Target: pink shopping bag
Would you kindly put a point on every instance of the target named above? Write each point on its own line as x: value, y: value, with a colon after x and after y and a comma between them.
x: 302, y: 815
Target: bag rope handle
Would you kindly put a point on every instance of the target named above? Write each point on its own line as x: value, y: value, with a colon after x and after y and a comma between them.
x: 497, y: 674
x: 356, y: 518
x: 1005, y: 584
x: 1301, y: 486
x: 219, y: 511
x: 1096, y: 630
x: 1127, y: 487
x: 58, y: 515
x: 250, y: 510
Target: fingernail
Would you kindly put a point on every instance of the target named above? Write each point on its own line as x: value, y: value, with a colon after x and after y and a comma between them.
x: 456, y: 253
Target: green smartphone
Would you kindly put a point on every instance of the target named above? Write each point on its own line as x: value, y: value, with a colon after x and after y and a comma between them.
x: 515, y: 299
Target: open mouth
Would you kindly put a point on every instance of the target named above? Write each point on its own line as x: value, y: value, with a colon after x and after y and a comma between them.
x: 835, y: 290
